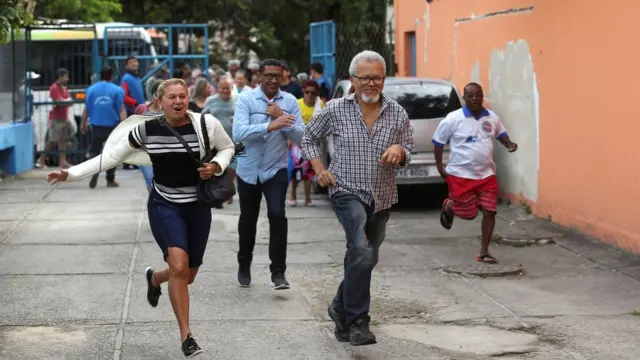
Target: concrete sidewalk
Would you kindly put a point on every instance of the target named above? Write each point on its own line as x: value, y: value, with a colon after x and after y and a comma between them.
x: 72, y: 286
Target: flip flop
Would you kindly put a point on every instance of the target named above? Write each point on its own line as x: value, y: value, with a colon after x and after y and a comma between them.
x: 446, y: 220
x: 487, y: 259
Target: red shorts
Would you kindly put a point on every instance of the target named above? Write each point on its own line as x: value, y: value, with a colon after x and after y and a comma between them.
x: 469, y: 195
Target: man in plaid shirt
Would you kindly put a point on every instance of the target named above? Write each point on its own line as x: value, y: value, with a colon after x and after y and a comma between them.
x: 372, y: 138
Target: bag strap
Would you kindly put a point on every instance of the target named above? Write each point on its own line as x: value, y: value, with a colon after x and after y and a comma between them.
x: 205, y: 134
x: 175, y: 133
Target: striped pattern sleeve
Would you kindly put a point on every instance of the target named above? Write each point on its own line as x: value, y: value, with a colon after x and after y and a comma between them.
x: 138, y: 136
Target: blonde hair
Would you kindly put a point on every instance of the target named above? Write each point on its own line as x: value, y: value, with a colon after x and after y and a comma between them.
x: 165, y: 84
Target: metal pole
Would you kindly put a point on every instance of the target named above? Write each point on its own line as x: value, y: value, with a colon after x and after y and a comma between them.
x: 13, y: 76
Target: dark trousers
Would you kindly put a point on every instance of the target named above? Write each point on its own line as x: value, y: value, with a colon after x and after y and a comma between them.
x: 275, y: 192
x: 365, y: 233
x: 99, y: 135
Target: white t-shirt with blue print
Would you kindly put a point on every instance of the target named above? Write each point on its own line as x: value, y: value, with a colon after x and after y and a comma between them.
x: 470, y: 142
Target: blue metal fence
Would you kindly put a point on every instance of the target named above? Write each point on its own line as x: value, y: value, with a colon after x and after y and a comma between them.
x: 323, y: 47
x: 156, y: 46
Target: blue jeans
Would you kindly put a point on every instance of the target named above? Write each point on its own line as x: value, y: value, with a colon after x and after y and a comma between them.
x: 365, y: 232
x: 147, y: 173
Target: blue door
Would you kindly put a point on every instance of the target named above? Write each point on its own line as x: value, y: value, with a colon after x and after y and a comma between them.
x: 323, y: 48
x: 412, y: 53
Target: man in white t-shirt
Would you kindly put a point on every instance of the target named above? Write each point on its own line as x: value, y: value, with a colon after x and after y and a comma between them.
x: 470, y: 172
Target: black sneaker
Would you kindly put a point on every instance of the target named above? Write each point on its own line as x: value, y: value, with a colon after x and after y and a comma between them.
x: 244, y: 275
x: 153, y: 293
x: 190, y: 347
x: 94, y: 181
x: 341, y: 332
x: 360, y: 334
x: 279, y: 282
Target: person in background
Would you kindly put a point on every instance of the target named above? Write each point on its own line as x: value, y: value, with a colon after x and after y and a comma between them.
x: 222, y: 106
x: 471, y: 172
x: 302, y: 77
x: 130, y: 83
x: 151, y: 108
x: 255, y: 81
x: 289, y: 86
x: 317, y: 74
x: 264, y: 119
x: 133, y: 90
x: 233, y: 66
x: 302, y: 169
x: 241, y: 82
x: 58, y: 126
x: 161, y: 74
x: 199, y: 95
x: 104, y: 109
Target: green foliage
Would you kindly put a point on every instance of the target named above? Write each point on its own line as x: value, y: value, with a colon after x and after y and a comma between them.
x: 272, y: 28
x: 79, y: 10
x: 13, y: 15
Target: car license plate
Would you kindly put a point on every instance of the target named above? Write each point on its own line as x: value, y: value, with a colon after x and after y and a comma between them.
x: 414, y: 171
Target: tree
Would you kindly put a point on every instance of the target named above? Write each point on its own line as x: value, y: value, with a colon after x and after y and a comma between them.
x: 272, y: 28
x: 14, y: 14
x: 79, y: 10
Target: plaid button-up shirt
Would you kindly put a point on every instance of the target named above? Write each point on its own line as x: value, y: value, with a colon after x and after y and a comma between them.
x: 356, y: 152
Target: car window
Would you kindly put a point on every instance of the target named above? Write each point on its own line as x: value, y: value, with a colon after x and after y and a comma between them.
x: 424, y: 100
x: 339, y: 92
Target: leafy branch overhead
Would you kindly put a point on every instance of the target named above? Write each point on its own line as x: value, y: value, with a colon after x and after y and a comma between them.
x: 13, y: 15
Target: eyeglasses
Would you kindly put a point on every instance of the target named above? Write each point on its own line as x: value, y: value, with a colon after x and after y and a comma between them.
x: 367, y: 80
x: 270, y: 77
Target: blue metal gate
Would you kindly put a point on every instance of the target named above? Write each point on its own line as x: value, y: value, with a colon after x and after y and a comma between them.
x: 156, y: 46
x: 48, y: 48
x: 323, y: 47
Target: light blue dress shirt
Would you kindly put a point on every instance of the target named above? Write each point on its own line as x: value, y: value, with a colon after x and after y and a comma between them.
x: 265, y: 152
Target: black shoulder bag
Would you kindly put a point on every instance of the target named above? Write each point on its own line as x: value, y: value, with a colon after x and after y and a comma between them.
x: 217, y: 190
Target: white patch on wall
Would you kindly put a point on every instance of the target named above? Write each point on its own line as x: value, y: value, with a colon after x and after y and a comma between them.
x: 475, y: 73
x: 514, y: 98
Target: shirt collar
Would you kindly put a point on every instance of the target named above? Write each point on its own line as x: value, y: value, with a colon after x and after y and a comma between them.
x: 484, y: 112
x: 260, y: 95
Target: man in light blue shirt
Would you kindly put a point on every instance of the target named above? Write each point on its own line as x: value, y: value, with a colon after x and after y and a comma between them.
x: 264, y: 120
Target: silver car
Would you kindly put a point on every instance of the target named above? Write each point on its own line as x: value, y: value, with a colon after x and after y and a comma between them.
x: 427, y: 101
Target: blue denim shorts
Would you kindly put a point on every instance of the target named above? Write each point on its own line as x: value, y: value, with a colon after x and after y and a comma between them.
x: 185, y: 226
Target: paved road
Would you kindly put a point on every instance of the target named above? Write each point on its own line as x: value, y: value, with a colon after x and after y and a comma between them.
x: 72, y: 286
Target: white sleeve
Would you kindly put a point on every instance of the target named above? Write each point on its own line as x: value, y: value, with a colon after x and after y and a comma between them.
x: 500, y: 129
x: 443, y: 133
x: 110, y: 158
x: 221, y: 141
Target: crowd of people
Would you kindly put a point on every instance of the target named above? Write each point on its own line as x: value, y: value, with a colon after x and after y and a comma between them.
x: 282, y: 125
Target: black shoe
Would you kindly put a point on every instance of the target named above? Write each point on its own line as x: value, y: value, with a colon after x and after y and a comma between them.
x: 279, y: 282
x: 94, y: 181
x: 341, y: 332
x: 153, y: 293
x: 190, y: 348
x: 244, y: 275
x: 360, y: 334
